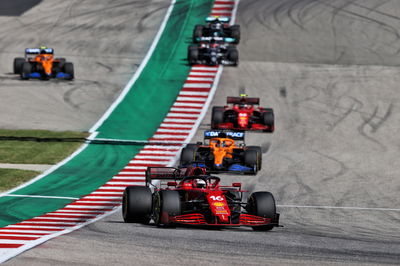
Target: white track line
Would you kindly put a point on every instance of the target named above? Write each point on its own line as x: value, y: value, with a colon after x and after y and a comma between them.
x: 339, y: 207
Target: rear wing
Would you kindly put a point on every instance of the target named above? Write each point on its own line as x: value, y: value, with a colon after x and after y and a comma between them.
x: 215, y: 39
x: 221, y: 19
x: 163, y: 173
x: 221, y: 134
x: 33, y: 51
x: 242, y: 100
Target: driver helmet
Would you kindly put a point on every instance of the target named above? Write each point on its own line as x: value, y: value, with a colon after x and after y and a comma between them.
x: 199, y: 183
x: 43, y: 49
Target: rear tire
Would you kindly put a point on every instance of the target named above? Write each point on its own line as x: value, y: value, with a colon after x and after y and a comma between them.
x: 187, y: 156
x: 197, y: 33
x: 268, y: 119
x: 69, y: 69
x: 18, y: 62
x: 217, y: 116
x: 233, y: 55
x: 193, y: 54
x: 250, y: 159
x: 259, y: 155
x: 261, y: 204
x: 26, y: 70
x: 166, y: 203
x: 137, y: 205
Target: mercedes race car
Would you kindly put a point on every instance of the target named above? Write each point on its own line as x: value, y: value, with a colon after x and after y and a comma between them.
x: 221, y: 152
x: 217, y: 27
x: 41, y: 63
x: 213, y: 51
x: 188, y: 196
x: 243, y: 113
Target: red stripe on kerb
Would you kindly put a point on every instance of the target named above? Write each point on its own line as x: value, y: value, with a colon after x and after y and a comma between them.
x: 197, y: 89
x: 59, y: 220
x: 186, y: 107
x: 202, y: 76
x: 169, y: 133
x: 124, y: 180
x: 182, y: 117
x: 194, y: 96
x: 31, y: 229
x: 171, y: 128
x: 175, y: 123
x: 199, y: 81
x: 19, y: 237
x: 23, y: 233
x: 93, y: 204
x: 224, y: 2
x: 222, y: 14
x: 222, y: 8
x: 10, y: 245
x: 185, y: 112
x: 167, y: 139
x: 196, y: 102
x: 203, y: 71
x: 143, y: 164
x: 40, y: 225
x: 67, y: 216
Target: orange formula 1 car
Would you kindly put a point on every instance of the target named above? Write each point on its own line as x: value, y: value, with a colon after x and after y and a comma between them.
x: 221, y: 153
x: 41, y: 63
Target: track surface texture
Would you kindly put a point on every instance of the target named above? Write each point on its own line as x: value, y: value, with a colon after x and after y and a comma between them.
x: 328, y: 68
x: 106, y: 40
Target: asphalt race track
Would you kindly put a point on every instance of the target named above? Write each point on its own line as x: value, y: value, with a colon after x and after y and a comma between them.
x: 329, y: 70
x: 106, y: 40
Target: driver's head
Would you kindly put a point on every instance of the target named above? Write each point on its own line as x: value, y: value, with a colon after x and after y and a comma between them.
x: 199, y: 183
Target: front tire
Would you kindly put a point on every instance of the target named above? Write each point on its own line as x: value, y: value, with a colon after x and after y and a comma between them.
x: 137, y: 205
x: 251, y: 159
x: 69, y: 70
x: 166, y: 203
x: 26, y: 70
x: 259, y: 155
x: 261, y: 204
x: 268, y: 119
x: 187, y: 155
x: 18, y: 62
x: 233, y: 56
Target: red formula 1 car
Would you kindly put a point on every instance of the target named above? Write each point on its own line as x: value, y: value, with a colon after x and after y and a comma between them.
x: 189, y: 196
x: 241, y: 113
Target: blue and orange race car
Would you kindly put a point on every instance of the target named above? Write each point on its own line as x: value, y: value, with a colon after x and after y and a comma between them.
x: 223, y: 152
x: 40, y: 63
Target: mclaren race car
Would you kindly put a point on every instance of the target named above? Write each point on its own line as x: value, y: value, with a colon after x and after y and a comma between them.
x: 41, y: 63
x: 243, y: 113
x: 221, y: 152
x: 217, y: 27
x: 213, y: 51
x: 188, y: 196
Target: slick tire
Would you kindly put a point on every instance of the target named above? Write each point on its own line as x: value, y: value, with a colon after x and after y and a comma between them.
x: 268, y: 119
x: 26, y: 70
x: 235, y: 33
x: 188, y: 155
x: 137, y: 205
x: 18, y: 62
x: 166, y: 203
x: 259, y: 155
x: 233, y: 55
x: 251, y: 159
x: 69, y: 69
x: 261, y: 204
x: 217, y: 116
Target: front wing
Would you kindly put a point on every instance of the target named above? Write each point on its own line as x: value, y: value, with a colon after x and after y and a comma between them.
x: 244, y: 220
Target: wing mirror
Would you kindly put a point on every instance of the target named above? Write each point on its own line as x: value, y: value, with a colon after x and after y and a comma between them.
x: 237, y: 185
x: 171, y: 183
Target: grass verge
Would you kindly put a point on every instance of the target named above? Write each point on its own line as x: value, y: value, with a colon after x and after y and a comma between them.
x: 48, y: 148
x: 10, y: 178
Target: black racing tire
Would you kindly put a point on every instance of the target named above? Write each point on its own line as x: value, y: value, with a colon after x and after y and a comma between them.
x: 268, y: 119
x: 233, y: 55
x: 166, y: 203
x: 251, y: 159
x: 259, y: 155
x: 26, y: 70
x: 197, y: 32
x: 188, y: 155
x: 18, y: 62
x: 193, y: 54
x: 235, y: 33
x: 137, y: 205
x: 261, y: 204
x: 217, y: 116
x: 69, y: 69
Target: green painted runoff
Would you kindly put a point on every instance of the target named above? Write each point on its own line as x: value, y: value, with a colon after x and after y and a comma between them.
x: 137, y: 117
